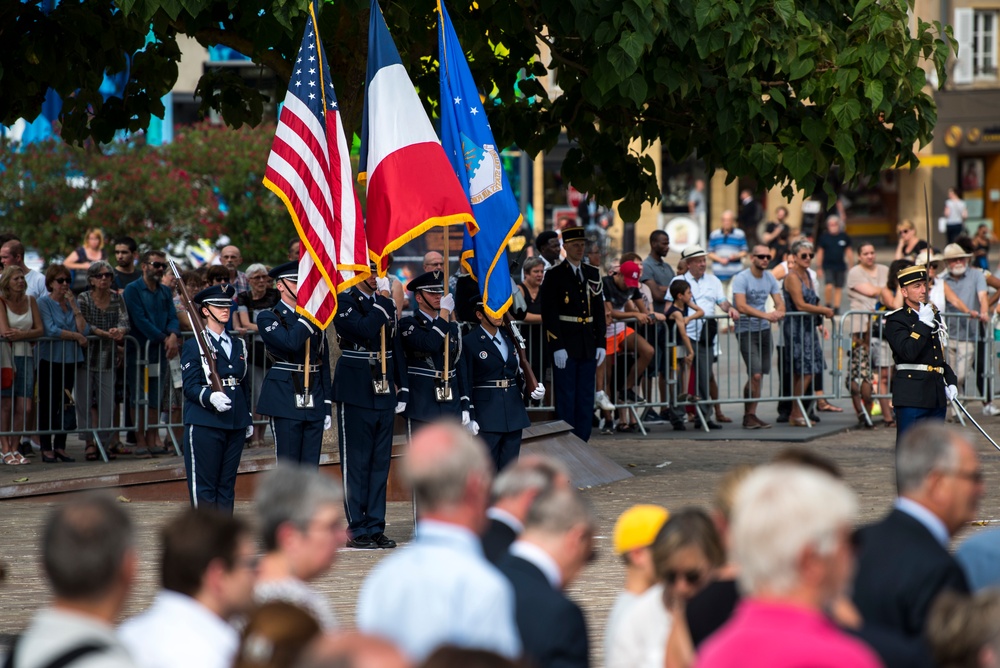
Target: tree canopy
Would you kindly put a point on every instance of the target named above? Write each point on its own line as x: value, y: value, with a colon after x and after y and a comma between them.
x: 776, y: 90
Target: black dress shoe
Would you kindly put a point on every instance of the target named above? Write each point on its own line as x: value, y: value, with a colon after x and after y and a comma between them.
x: 383, y: 541
x: 362, y: 543
x: 63, y: 457
x: 711, y: 425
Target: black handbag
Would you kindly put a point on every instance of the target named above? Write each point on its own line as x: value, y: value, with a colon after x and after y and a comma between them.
x: 69, y: 413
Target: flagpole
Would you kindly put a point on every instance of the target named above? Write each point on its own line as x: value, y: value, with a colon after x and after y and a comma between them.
x: 447, y: 335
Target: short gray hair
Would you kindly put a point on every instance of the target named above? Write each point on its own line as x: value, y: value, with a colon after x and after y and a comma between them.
x: 84, y: 545
x: 442, y: 483
x: 960, y: 626
x: 99, y: 267
x: 536, y: 473
x: 799, y: 244
x: 291, y: 493
x: 780, y: 511
x: 927, y: 447
x: 531, y: 263
x: 254, y: 269
x: 556, y: 511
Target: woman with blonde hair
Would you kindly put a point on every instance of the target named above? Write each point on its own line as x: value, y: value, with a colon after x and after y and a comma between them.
x: 910, y: 244
x: 20, y: 321
x: 80, y: 259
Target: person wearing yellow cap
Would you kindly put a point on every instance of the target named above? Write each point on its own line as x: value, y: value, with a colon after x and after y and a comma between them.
x: 633, y: 537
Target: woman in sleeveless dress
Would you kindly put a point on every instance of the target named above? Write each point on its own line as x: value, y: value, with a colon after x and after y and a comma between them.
x: 20, y: 321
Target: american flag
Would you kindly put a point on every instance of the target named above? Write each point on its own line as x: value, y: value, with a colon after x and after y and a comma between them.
x: 310, y: 170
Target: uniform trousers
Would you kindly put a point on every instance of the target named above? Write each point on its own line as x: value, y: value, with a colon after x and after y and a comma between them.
x: 211, y: 459
x: 297, y: 441
x: 574, y: 394
x: 365, y: 436
x: 504, y: 446
x: 907, y: 416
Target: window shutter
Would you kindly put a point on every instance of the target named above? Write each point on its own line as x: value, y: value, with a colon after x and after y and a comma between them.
x: 962, y: 73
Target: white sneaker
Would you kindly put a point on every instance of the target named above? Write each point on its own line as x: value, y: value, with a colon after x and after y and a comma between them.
x: 990, y: 409
x: 602, y: 401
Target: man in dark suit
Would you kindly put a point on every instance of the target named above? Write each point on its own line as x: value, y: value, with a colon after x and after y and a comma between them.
x: 903, y: 561
x: 572, y: 297
x: 514, y: 490
x: 558, y: 541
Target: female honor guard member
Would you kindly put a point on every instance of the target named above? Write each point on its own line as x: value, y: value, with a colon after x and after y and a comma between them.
x: 216, y: 423
x: 924, y: 383
x: 298, y: 417
x: 422, y: 335
x: 491, y: 372
x: 367, y: 404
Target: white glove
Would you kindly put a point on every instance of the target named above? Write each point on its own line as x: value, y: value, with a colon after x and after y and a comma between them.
x: 601, y: 354
x: 926, y: 314
x: 382, y: 284
x: 400, y: 407
x: 221, y: 402
x: 474, y: 427
x: 538, y: 393
x: 559, y: 358
x: 249, y: 431
x: 448, y: 303
x: 465, y: 418
x: 327, y: 423
x: 951, y: 392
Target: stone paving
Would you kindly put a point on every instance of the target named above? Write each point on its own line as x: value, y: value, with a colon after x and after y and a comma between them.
x: 670, y: 471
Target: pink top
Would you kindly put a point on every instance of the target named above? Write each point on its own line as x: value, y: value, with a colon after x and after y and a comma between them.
x: 776, y: 635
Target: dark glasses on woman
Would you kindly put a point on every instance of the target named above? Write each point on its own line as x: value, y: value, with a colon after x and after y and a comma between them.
x: 62, y: 280
x: 806, y: 256
x: 691, y: 577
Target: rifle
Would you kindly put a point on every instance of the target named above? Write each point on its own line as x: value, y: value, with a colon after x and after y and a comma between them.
x: 530, y: 381
x: 200, y: 335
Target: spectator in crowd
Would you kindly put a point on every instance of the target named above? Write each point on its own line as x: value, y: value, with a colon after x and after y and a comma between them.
x: 89, y: 560
x: 261, y: 295
x: 696, y: 200
x: 549, y: 248
x: 681, y: 312
x: 791, y: 539
x: 657, y: 275
x: 79, y: 260
x: 156, y: 331
x: 686, y: 553
x: 955, y: 213
x: 441, y: 589
x: 751, y: 289
x: 104, y: 311
x: 727, y: 246
x: 776, y: 236
x: 293, y: 249
x: 433, y: 261
x: 965, y: 320
x: 231, y: 259
x: 514, y: 490
x: 126, y: 253
x: 57, y: 361
x: 708, y: 293
x: 207, y: 568
x: 751, y: 213
x: 12, y: 255
x: 395, y: 287
x: 301, y: 525
x: 633, y: 536
x: 20, y: 322
x: 800, y: 328
x: 531, y: 288
x: 654, y: 333
x: 981, y: 248
x: 593, y: 254
x: 194, y: 282
x: 979, y: 555
x: 834, y: 255
x: 623, y: 301
x: 864, y: 286
x: 275, y: 636
x: 964, y: 631
x: 903, y: 560
x: 910, y: 244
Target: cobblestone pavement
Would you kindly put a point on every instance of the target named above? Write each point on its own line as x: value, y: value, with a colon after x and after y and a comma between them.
x: 670, y: 471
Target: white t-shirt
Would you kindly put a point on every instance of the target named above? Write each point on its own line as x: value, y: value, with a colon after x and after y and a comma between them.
x: 641, y: 639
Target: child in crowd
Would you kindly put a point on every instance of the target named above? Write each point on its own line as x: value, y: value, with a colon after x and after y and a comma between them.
x: 682, y: 311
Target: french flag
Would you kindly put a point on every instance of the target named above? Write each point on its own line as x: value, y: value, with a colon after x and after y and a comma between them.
x: 410, y: 184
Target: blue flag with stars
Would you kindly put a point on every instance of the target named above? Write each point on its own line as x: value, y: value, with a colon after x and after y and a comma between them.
x: 468, y: 142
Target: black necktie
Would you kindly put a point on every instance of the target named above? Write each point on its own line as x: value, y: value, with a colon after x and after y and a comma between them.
x: 579, y: 274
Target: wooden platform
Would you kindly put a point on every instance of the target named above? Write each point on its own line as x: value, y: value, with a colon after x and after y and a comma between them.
x: 162, y: 479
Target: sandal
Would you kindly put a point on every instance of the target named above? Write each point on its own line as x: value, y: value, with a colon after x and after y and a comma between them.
x: 827, y: 407
x: 10, y: 460
x: 889, y: 424
x: 20, y: 459
x: 118, y: 448
x: 90, y: 453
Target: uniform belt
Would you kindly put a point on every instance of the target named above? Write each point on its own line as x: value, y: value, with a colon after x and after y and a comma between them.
x: 289, y: 366
x: 364, y: 354
x: 920, y: 367
x: 495, y: 384
x: 229, y: 382
x: 427, y: 373
x: 570, y: 318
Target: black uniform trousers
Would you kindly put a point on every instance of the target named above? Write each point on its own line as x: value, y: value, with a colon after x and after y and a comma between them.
x: 298, y: 441
x: 574, y: 394
x: 365, y: 436
x: 211, y: 459
x: 504, y: 446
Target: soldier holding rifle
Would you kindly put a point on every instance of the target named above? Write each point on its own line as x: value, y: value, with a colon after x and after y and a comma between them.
x: 217, y: 415
x: 296, y: 393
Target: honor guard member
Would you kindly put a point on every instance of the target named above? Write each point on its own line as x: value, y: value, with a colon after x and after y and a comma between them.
x: 422, y: 337
x: 924, y: 383
x: 573, y: 318
x: 298, y: 417
x: 492, y: 374
x: 367, y: 402
x: 216, y: 423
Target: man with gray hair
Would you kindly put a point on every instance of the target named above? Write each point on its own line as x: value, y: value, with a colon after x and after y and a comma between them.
x: 89, y: 559
x: 301, y: 526
x: 903, y: 560
x: 440, y: 590
x: 514, y: 490
x: 791, y: 538
x: 557, y: 543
